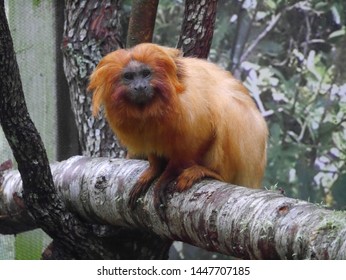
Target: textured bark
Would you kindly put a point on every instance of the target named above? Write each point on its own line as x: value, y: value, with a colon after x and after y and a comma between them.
x: 19, y: 220
x: 237, y: 221
x: 92, y: 29
x: 198, y: 28
x: 141, y: 28
x: 66, y: 130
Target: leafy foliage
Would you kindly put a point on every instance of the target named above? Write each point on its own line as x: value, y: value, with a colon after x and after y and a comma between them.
x: 168, y: 22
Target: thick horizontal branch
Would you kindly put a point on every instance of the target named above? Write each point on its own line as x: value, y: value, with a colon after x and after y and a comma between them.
x: 233, y: 220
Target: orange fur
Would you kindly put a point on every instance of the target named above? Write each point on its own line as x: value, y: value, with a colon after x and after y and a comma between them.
x: 202, y: 122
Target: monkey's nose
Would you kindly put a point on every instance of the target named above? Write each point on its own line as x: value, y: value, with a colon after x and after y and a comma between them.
x: 140, y: 88
x: 141, y: 94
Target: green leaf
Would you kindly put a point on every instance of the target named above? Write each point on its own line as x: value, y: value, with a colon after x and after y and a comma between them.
x: 270, y: 4
x: 36, y: 3
x: 29, y: 245
x: 338, y: 33
x: 322, y: 6
x: 326, y: 128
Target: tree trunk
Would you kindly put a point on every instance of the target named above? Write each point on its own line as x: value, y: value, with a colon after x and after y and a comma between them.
x: 198, y: 28
x: 92, y: 29
x: 141, y: 28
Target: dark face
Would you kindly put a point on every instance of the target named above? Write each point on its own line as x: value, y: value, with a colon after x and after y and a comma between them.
x: 137, y: 77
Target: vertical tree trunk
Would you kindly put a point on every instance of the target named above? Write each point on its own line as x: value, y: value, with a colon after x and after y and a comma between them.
x: 67, y: 132
x: 198, y: 27
x: 141, y: 28
x: 92, y: 29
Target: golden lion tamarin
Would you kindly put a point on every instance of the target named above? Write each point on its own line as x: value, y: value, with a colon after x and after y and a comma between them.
x: 190, y: 118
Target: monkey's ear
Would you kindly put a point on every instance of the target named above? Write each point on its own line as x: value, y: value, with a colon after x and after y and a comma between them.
x: 174, y: 53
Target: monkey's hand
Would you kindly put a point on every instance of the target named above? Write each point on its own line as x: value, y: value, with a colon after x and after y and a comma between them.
x: 141, y: 187
x: 185, y: 180
x: 192, y: 175
x: 156, y: 166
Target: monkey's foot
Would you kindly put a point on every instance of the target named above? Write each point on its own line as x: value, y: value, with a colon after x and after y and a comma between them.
x: 145, y: 180
x: 166, y: 185
x: 162, y: 190
x: 192, y: 175
x: 137, y: 191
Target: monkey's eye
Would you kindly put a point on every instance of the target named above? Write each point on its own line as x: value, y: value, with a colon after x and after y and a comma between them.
x: 129, y: 76
x: 146, y: 73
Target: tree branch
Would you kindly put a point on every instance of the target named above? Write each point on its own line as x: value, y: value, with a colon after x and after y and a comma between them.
x: 259, y: 38
x: 141, y: 28
x: 237, y: 221
x: 198, y: 28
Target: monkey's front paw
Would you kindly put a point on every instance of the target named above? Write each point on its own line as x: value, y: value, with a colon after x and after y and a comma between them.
x: 194, y: 174
x: 142, y: 185
x: 137, y: 191
x: 188, y: 177
x: 162, y: 192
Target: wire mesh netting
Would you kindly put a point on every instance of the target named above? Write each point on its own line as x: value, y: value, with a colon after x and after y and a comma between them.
x: 33, y: 31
